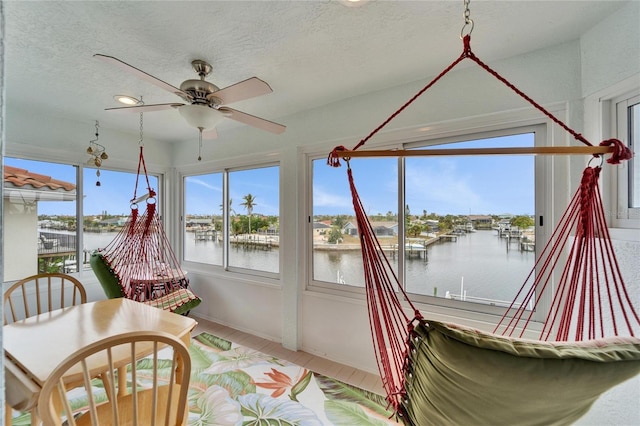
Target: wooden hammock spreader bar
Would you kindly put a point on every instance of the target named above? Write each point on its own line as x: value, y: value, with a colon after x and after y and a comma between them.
x: 553, y: 150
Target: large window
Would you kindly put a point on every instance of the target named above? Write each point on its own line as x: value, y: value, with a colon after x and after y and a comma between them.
x: 232, y: 219
x: 457, y: 229
x: 41, y: 214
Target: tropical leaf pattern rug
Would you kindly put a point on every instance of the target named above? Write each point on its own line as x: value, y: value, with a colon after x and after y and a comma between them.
x: 232, y: 385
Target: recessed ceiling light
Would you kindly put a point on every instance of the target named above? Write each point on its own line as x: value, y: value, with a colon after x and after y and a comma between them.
x: 127, y: 100
x: 353, y: 3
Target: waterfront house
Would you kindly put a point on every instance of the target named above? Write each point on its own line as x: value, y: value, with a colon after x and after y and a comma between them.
x: 380, y: 229
x: 337, y: 72
x: 481, y: 221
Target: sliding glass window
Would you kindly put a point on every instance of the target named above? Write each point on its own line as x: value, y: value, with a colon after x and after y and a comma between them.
x: 458, y: 229
x: 232, y: 219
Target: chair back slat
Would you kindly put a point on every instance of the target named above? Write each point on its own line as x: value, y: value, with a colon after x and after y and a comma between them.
x: 156, y: 389
x: 41, y: 293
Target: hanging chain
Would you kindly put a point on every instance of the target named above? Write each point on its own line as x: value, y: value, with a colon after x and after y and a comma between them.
x: 468, y: 22
x: 200, y: 144
x: 140, y: 142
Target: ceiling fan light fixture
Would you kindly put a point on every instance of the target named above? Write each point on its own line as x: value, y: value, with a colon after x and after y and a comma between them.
x: 201, y: 116
x: 128, y: 100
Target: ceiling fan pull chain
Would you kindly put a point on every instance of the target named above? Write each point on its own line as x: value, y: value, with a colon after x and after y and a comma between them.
x: 199, y: 143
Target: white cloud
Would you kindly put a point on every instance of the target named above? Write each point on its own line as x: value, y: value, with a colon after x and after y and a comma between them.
x: 204, y: 184
x: 323, y: 198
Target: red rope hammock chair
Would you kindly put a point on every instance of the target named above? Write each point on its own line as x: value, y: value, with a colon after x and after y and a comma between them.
x: 440, y: 373
x: 140, y: 258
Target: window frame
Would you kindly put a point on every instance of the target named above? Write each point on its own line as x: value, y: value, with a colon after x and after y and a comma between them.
x: 550, y: 200
x: 625, y: 216
x: 601, y: 123
x: 229, y: 167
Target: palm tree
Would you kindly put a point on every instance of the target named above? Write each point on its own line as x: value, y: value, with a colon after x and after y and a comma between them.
x: 231, y: 210
x: 249, y: 203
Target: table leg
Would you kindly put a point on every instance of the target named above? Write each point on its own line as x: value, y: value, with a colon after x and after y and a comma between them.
x: 122, y: 381
x: 8, y: 413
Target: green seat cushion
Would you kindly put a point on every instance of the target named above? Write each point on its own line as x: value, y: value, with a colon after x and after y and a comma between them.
x: 462, y: 376
x: 106, y: 276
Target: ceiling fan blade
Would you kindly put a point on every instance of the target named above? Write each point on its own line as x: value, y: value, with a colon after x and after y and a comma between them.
x: 145, y: 108
x: 249, y: 88
x: 210, y: 134
x: 142, y: 75
x: 252, y: 120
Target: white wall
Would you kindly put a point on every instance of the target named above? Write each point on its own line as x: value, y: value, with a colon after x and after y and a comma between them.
x: 20, y: 240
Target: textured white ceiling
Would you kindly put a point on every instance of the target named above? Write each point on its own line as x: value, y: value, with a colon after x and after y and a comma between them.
x: 312, y: 53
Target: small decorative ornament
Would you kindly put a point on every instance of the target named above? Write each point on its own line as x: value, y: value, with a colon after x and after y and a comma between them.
x: 97, y: 153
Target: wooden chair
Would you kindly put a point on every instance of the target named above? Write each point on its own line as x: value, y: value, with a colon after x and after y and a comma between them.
x: 35, y: 295
x: 159, y: 382
x: 41, y: 293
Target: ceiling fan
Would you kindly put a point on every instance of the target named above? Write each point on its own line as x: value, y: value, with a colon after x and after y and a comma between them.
x: 206, y: 104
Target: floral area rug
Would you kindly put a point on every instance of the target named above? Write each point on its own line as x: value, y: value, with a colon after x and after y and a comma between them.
x: 232, y: 385
x: 235, y: 385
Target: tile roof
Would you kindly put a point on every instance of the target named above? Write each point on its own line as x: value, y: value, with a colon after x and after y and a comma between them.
x: 17, y: 177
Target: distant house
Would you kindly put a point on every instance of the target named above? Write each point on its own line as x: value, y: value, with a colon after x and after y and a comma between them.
x: 116, y: 221
x: 199, y: 222
x: 481, y: 221
x: 381, y: 229
x: 23, y: 191
x: 432, y: 225
x: 320, y: 228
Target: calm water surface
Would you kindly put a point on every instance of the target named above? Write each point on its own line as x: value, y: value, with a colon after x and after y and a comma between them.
x: 480, y: 262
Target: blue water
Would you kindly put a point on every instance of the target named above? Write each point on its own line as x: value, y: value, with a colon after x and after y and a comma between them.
x: 481, y: 262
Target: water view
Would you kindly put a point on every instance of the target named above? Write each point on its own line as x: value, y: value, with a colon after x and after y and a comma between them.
x: 478, y: 266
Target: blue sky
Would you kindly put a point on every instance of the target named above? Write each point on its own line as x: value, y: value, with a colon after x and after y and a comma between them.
x: 204, y: 192
x: 444, y: 185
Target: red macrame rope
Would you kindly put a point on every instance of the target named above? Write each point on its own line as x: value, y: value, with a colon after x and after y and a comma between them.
x: 621, y: 153
x: 142, y: 164
x: 590, y: 287
x: 390, y: 326
x: 469, y: 54
x: 141, y: 257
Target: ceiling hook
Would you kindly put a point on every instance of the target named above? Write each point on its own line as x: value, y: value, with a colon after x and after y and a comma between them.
x: 467, y: 28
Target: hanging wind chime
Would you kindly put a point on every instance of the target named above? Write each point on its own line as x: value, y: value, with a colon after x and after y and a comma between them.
x: 97, y: 153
